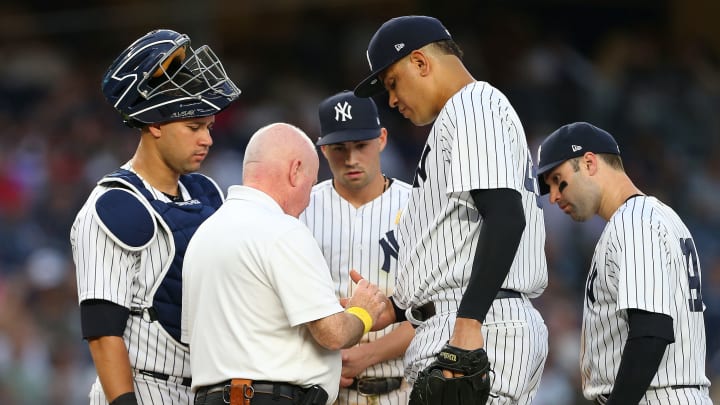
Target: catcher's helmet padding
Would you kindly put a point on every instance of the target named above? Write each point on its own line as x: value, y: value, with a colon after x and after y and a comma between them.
x: 160, y: 78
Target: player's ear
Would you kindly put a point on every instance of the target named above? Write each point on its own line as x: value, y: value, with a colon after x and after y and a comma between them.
x: 154, y: 130
x: 590, y: 160
x: 323, y: 149
x: 419, y: 60
x: 382, y: 139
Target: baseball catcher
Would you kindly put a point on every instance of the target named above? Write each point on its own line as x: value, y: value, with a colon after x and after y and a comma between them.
x: 472, y: 388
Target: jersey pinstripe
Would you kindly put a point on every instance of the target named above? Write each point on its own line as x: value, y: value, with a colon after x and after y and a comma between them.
x: 363, y: 239
x: 476, y: 142
x: 106, y: 271
x: 645, y: 259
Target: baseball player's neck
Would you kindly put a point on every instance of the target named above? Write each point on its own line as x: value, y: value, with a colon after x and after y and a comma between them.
x: 617, y: 190
x: 155, y: 172
x: 453, y: 77
x: 360, y: 196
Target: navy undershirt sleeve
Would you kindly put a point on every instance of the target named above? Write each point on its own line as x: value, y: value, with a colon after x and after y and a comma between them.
x: 503, y: 224
x: 399, y: 312
x: 648, y: 337
x: 102, y: 318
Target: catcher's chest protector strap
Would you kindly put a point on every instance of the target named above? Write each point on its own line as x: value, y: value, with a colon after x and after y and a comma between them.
x: 182, y: 219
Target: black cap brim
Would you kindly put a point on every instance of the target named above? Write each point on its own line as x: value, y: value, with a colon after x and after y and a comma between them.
x: 370, y: 86
x: 348, y: 136
x: 544, y: 188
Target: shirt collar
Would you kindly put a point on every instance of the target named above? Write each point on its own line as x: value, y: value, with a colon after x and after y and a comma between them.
x: 252, y: 194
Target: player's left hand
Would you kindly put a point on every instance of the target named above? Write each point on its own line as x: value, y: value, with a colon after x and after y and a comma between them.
x: 467, y: 335
x: 355, y: 360
x: 471, y: 388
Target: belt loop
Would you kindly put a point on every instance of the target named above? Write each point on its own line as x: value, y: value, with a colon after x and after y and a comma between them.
x: 276, y: 392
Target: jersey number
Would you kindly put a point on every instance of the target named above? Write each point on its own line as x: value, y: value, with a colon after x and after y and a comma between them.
x: 693, y: 272
x: 590, y: 286
x: 420, y: 172
x: 531, y: 181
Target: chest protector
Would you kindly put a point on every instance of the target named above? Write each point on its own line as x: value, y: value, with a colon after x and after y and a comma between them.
x: 181, y: 219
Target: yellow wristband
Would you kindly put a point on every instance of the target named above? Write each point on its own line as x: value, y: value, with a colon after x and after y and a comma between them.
x: 362, y: 315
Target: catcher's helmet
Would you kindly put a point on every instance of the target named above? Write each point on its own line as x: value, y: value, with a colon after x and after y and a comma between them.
x: 160, y: 78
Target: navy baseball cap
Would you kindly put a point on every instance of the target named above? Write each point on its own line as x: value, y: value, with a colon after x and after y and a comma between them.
x: 395, y: 39
x: 571, y: 141
x: 345, y: 117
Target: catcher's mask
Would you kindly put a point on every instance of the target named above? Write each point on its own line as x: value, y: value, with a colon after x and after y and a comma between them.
x: 160, y: 78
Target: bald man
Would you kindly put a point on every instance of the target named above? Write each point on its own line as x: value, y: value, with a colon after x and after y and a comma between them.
x: 261, y: 316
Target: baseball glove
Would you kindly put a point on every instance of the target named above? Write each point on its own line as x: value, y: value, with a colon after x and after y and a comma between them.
x: 432, y: 388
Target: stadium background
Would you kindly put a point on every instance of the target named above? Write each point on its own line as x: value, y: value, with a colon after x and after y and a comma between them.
x: 647, y: 71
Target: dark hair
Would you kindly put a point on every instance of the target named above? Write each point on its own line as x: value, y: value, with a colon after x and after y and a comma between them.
x: 575, y: 163
x: 449, y: 47
x: 612, y: 160
x: 615, y: 161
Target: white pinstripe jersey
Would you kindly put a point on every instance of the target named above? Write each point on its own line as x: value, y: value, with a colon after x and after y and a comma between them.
x: 476, y: 142
x: 107, y: 271
x: 362, y: 239
x: 645, y: 259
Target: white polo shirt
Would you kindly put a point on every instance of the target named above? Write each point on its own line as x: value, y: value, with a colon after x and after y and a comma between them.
x: 253, y: 276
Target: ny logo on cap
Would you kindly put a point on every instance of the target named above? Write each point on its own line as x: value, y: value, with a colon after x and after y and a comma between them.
x: 399, y: 46
x: 576, y: 148
x: 342, y: 111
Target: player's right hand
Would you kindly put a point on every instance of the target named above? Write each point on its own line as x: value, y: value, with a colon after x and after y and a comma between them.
x: 382, y: 319
x: 369, y: 297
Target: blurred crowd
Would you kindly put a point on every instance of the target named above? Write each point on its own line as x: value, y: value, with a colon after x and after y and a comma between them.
x: 660, y: 99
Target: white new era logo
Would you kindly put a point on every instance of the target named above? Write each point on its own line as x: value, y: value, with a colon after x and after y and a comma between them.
x: 576, y: 148
x: 343, y: 111
x: 399, y: 46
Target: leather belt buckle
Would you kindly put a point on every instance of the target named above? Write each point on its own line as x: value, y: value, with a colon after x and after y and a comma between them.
x: 222, y: 388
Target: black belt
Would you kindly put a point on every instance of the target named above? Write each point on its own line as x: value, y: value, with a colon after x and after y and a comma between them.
x: 679, y: 387
x: 186, y: 381
x: 289, y: 391
x: 505, y: 293
x: 602, y: 398
x: 427, y: 310
x: 375, y: 385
